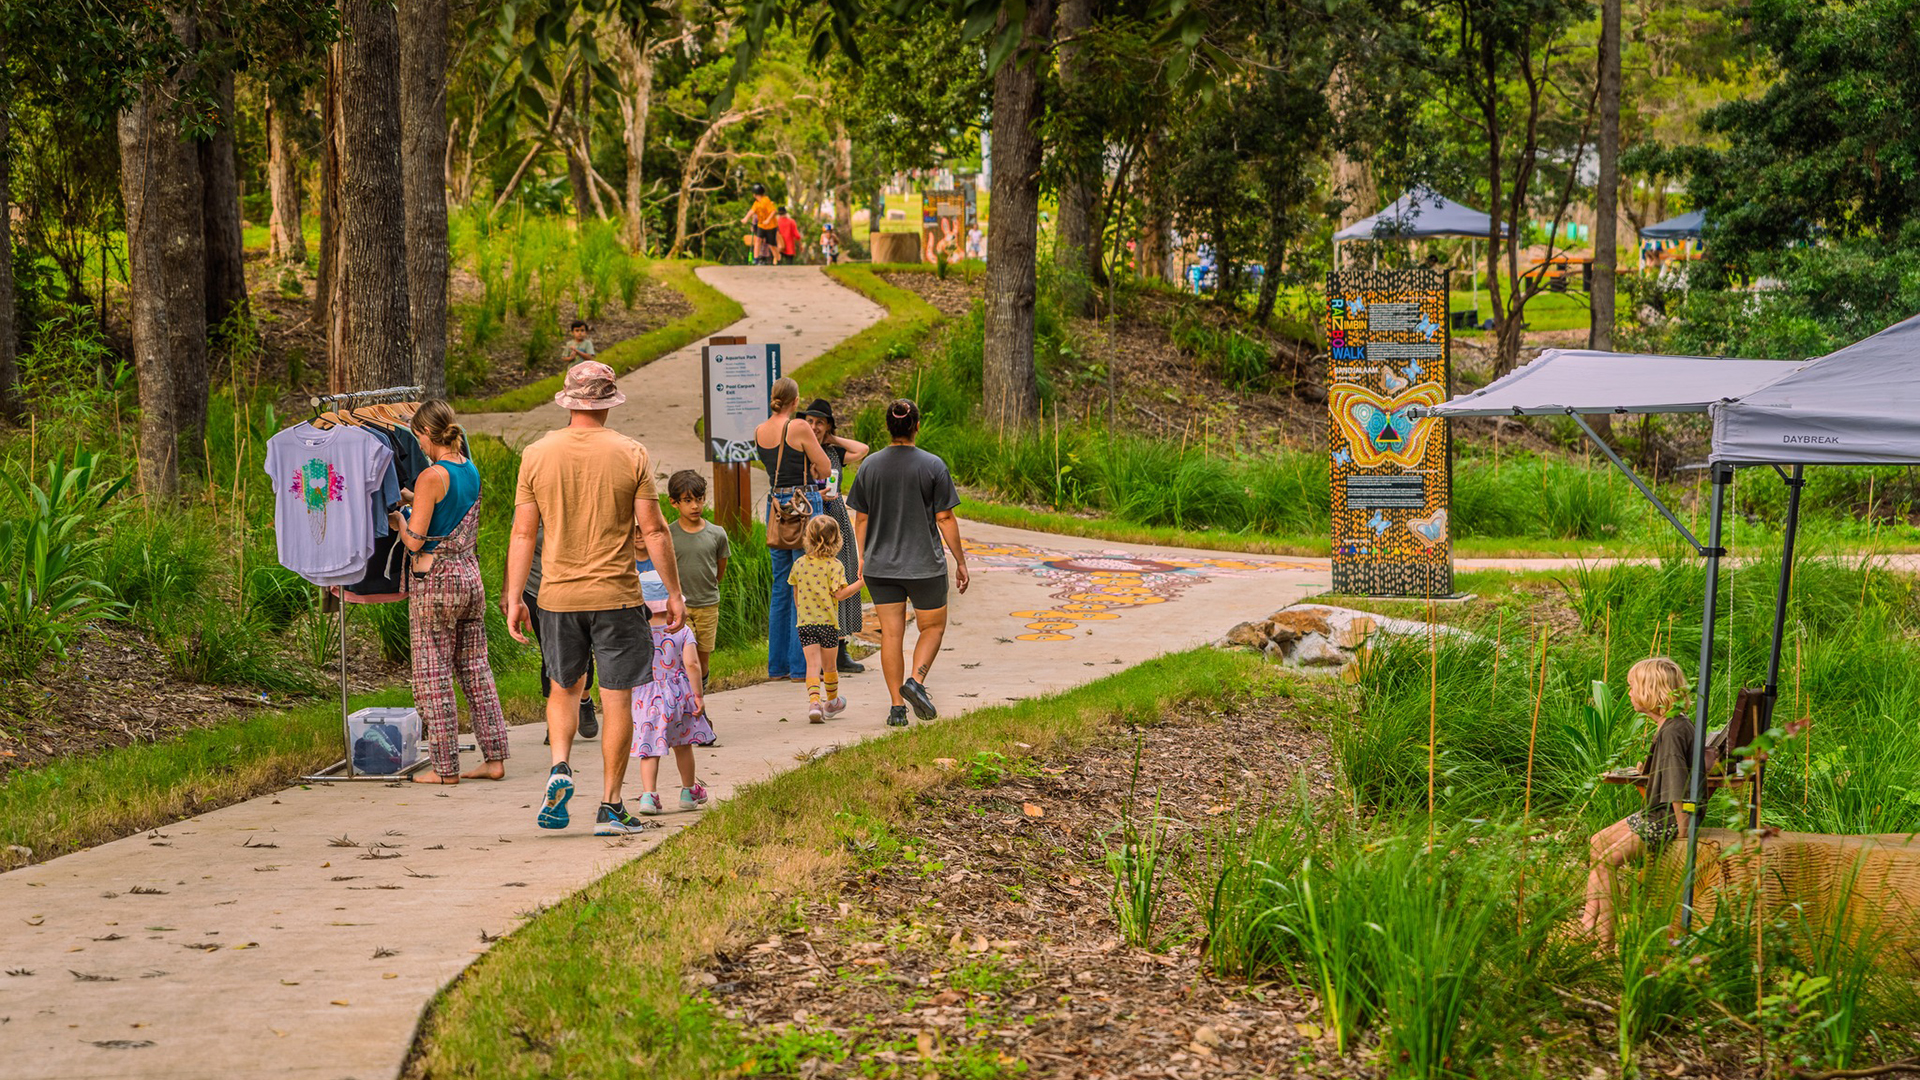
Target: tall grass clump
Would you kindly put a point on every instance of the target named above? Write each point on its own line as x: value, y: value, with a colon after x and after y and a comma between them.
x: 1390, y: 934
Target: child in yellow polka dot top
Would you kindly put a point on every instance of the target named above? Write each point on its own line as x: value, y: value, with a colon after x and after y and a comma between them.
x: 819, y: 584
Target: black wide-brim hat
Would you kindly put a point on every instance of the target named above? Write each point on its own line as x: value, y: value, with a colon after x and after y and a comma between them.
x: 823, y: 409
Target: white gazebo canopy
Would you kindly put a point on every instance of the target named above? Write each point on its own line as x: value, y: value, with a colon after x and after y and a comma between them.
x: 1563, y: 381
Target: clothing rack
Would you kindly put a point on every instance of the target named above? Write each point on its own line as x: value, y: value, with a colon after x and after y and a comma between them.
x: 343, y: 769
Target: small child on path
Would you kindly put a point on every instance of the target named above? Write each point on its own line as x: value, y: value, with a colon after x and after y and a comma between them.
x: 578, y: 345
x: 819, y: 584
x: 702, y: 550
x: 668, y: 713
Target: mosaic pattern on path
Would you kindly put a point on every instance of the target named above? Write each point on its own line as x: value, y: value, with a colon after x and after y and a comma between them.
x: 1098, y: 586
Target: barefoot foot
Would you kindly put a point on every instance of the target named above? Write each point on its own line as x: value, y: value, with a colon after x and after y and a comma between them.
x: 434, y: 778
x: 492, y: 770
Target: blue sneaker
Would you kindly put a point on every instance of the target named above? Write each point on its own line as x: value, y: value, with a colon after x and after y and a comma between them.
x: 553, y: 811
x: 617, y: 821
x: 650, y: 803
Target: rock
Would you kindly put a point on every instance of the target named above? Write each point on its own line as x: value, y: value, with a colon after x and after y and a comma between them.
x: 1301, y: 621
x: 1355, y: 633
x: 1316, y: 650
x: 1248, y: 634
x: 1277, y: 649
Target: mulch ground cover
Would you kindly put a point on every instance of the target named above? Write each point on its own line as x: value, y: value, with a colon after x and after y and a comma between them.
x: 977, y: 938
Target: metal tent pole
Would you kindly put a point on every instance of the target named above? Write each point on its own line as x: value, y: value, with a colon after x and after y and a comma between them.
x: 1697, y: 779
x: 1794, y: 485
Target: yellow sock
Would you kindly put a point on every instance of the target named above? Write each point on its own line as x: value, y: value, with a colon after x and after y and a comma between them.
x: 813, y: 693
x: 833, y: 684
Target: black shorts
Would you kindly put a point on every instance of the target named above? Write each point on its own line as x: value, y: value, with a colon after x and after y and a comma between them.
x: 546, y: 680
x: 619, y: 643
x: 820, y: 634
x: 927, y: 593
x: 770, y: 237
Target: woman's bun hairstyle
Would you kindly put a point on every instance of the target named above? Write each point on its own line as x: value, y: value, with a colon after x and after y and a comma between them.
x: 434, y: 420
x: 903, y: 418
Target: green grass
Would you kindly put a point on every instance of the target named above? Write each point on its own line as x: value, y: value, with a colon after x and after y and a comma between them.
x: 544, y: 1000
x: 908, y: 321
x: 712, y: 311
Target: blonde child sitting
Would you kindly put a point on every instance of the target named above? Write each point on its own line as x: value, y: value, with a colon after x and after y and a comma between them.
x: 1658, y: 691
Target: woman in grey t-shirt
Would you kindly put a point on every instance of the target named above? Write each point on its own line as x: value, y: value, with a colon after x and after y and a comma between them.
x: 902, y: 502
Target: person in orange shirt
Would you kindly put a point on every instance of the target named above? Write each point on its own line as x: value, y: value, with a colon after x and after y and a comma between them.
x: 789, y: 231
x: 764, y: 217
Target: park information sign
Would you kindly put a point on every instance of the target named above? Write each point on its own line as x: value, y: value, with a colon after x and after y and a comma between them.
x: 1388, y: 345
x: 739, y: 379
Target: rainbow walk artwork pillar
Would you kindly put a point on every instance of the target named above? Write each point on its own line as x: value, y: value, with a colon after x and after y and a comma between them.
x: 1392, y: 478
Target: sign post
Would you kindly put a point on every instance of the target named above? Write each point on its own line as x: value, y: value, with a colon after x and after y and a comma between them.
x: 737, y: 379
x: 1392, y: 476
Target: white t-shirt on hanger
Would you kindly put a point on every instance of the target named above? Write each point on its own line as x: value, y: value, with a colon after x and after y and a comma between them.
x: 324, y: 484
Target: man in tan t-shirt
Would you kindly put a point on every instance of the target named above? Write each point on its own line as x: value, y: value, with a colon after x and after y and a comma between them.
x: 590, y: 487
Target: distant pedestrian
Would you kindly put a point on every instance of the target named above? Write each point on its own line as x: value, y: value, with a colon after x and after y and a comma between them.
x: 841, y: 452
x: 592, y: 489
x: 579, y: 343
x: 669, y: 713
x: 902, y: 501
x: 764, y: 218
x: 829, y: 243
x: 819, y: 585
x: 789, y: 231
x: 790, y: 452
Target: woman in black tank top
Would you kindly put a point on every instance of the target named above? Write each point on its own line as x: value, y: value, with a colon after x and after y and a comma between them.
x: 786, y: 470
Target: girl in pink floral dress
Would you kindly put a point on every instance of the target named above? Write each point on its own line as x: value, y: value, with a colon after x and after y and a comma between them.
x: 668, y: 713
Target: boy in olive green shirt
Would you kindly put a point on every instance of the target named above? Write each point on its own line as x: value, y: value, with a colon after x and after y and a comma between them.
x: 701, y: 549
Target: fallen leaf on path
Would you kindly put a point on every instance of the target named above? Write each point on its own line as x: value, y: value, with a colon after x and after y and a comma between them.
x: 341, y: 1002
x: 1032, y: 811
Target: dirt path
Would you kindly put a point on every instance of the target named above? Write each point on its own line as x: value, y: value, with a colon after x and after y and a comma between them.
x: 303, y: 933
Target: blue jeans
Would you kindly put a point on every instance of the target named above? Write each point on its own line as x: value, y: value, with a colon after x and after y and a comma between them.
x: 784, y: 657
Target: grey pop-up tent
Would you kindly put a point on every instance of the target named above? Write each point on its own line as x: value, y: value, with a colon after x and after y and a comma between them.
x: 1687, y: 226
x: 1423, y: 214
x: 1854, y: 406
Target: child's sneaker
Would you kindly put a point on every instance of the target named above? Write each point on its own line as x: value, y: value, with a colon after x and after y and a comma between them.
x: 693, y: 798
x: 835, y: 707
x: 816, y: 713
x: 616, y: 821
x: 650, y: 803
x: 897, y: 716
x: 553, y: 809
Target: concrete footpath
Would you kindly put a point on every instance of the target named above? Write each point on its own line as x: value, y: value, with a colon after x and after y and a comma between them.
x: 303, y: 933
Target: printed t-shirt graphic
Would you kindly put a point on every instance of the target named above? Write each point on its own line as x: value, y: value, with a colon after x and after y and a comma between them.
x: 325, y: 485
x: 814, y: 583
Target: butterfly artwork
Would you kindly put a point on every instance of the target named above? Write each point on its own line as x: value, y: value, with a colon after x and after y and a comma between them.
x: 1392, y: 380
x: 1343, y: 457
x: 1378, y: 428
x: 1430, y: 530
x: 1378, y: 523
x: 1413, y: 368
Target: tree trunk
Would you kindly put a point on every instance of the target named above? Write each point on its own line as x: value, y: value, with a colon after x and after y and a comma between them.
x: 285, y: 234
x: 326, y: 286
x: 1010, y: 393
x: 423, y: 161
x: 1606, y: 203
x: 1156, y: 249
x: 166, y: 264
x: 9, y: 329
x: 843, y: 186
x: 226, y: 258
x: 636, y: 110
x: 373, y: 197
x: 1076, y: 243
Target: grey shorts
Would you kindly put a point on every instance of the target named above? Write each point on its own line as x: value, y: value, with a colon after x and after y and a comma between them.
x: 618, y: 643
